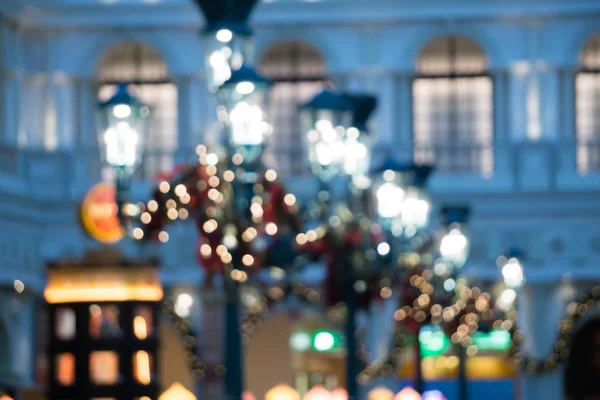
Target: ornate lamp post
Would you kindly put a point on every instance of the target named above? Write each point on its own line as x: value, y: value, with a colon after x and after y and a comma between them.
x: 244, y: 97
x: 454, y: 250
x: 122, y: 130
x: 227, y: 38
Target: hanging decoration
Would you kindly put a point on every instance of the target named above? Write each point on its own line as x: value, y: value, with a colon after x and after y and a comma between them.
x: 200, y: 370
x: 194, y: 192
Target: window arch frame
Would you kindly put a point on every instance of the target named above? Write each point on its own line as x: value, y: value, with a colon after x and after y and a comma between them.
x: 479, y: 150
x: 291, y: 83
x: 160, y: 158
x: 586, y: 83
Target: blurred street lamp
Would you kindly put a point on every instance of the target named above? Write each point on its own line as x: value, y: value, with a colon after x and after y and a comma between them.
x: 511, y: 265
x: 454, y: 246
x: 401, y: 200
x: 327, y: 116
x: 122, y: 130
x: 244, y: 96
x: 227, y: 38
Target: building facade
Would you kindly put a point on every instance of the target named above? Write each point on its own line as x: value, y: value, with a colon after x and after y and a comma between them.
x: 504, y: 97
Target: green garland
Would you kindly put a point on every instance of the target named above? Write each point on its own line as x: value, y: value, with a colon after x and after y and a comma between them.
x: 566, y: 332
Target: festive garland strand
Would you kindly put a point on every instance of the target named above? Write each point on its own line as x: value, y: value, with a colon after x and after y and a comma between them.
x: 200, y: 370
x: 576, y: 310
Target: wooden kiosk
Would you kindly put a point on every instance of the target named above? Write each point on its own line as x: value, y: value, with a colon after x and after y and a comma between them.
x: 103, y: 327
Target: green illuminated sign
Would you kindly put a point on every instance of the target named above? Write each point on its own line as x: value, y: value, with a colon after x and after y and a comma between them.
x: 321, y: 341
x: 433, y: 342
x: 498, y: 340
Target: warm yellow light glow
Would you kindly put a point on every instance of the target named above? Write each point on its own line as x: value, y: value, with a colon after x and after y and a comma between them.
x: 177, y: 392
x: 82, y: 285
x: 246, y: 395
x: 180, y: 190
x: 271, y: 175
x: 408, y: 393
x: 289, y: 199
x: 138, y: 233
x: 380, y: 393
x: 248, y: 260
x: 479, y: 367
x: 152, y: 205
x: 139, y: 327
x: 318, y: 392
x: 163, y: 237
x: 164, y: 187
x: 142, y: 367
x: 172, y: 214
x: 339, y: 394
x: 271, y: 228
x: 282, y: 392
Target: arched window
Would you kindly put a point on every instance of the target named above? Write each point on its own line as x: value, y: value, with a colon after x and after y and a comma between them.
x: 298, y: 73
x: 587, y: 108
x: 144, y: 69
x: 452, y: 107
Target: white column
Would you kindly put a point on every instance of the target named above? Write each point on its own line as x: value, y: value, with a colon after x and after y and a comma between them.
x: 549, y: 83
x: 10, y: 100
x: 503, y: 151
x: 85, y: 135
x: 33, y: 107
x: 518, y: 89
x: 62, y: 92
x: 567, y: 164
x: 538, y: 319
x: 403, y: 112
x: 387, y: 109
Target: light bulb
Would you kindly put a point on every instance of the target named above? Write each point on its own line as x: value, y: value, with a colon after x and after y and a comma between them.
x: 244, y: 88
x: 389, y: 200
x: 224, y: 35
x: 122, y: 111
x: 513, y: 274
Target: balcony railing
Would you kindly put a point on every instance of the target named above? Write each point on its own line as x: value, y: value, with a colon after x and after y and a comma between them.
x: 457, y: 157
x: 63, y: 175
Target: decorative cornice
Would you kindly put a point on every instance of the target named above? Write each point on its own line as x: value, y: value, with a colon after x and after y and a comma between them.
x: 185, y: 14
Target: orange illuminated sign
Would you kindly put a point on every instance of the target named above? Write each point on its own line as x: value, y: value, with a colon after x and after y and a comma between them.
x: 72, y: 285
x: 99, y: 214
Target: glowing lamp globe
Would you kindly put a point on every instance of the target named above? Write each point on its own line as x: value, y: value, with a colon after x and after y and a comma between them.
x: 318, y: 393
x: 225, y: 51
x: 282, y: 392
x: 380, y: 393
x: 408, y: 393
x: 358, y: 141
x: 326, y: 118
x: 401, y: 200
x: 454, y: 247
x: 512, y: 273
x: 339, y: 394
x: 122, y: 127
x: 246, y: 395
x: 244, y: 96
